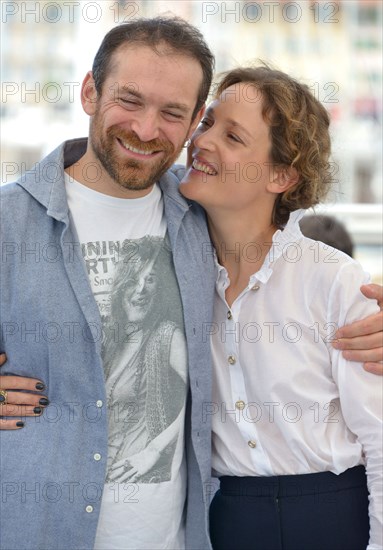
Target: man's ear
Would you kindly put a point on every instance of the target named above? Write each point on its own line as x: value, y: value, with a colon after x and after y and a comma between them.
x: 89, y: 94
x: 196, y: 120
x: 282, y: 179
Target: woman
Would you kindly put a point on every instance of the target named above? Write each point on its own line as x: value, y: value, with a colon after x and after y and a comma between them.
x: 143, y: 338
x: 293, y: 422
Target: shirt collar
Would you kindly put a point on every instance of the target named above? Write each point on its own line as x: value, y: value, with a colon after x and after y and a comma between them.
x: 291, y: 233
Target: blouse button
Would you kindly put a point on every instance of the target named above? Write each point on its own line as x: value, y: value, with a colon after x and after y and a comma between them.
x: 255, y: 287
x: 89, y: 509
x: 231, y: 360
x: 229, y: 315
x: 240, y: 405
x: 252, y: 444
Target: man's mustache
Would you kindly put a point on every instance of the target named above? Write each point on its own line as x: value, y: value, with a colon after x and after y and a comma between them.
x: 133, y: 140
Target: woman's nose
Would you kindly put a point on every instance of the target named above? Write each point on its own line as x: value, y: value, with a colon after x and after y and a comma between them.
x: 203, y: 139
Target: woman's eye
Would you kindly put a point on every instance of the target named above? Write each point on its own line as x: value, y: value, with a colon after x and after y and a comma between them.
x: 151, y: 278
x: 205, y: 122
x: 234, y: 138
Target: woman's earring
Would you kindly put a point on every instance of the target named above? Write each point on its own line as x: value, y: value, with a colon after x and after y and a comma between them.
x: 187, y: 143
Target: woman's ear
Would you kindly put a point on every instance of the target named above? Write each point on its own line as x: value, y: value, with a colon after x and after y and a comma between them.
x: 283, y: 178
x: 89, y: 94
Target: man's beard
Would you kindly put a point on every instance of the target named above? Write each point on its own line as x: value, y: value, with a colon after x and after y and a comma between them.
x: 131, y: 174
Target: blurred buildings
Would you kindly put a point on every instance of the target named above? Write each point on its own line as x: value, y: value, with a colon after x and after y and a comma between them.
x: 335, y: 47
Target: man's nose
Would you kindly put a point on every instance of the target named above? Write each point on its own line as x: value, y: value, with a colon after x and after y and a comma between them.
x: 146, y: 126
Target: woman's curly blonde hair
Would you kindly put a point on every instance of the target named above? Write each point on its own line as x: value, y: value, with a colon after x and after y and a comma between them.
x: 299, y: 131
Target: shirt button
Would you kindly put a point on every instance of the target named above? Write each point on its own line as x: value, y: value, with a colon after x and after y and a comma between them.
x: 240, y: 405
x: 89, y: 509
x: 255, y: 287
x: 97, y: 456
x: 252, y: 444
x: 229, y: 315
x: 232, y: 360
x: 99, y: 403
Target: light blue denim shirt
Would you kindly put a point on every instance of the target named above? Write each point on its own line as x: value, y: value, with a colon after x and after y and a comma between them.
x: 53, y: 470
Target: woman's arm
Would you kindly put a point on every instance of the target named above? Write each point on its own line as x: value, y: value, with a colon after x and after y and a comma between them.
x: 360, y: 394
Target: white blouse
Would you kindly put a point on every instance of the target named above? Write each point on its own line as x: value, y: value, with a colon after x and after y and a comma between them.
x: 284, y: 400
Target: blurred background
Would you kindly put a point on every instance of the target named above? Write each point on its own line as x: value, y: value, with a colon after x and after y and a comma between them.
x: 335, y: 47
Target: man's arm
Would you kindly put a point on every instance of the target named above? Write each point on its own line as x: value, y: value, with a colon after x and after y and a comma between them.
x: 16, y: 399
x: 363, y: 340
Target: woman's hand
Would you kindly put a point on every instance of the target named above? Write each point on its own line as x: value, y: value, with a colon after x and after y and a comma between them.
x: 129, y: 469
x: 16, y: 399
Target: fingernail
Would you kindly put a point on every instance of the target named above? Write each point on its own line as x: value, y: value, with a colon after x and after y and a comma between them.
x: 44, y: 401
x: 40, y: 386
x: 2, y: 398
x: 20, y: 424
x: 37, y: 410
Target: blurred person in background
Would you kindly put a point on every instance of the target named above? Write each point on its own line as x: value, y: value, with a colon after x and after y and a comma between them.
x: 328, y: 230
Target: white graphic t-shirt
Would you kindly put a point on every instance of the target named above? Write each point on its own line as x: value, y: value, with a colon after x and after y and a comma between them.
x: 129, y: 263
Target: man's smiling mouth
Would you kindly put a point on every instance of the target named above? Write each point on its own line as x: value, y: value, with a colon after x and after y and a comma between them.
x: 135, y: 149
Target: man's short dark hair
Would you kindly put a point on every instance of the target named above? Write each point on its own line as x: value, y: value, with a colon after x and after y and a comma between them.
x: 180, y: 36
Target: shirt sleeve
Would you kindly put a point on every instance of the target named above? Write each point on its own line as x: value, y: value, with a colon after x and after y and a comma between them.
x: 360, y: 392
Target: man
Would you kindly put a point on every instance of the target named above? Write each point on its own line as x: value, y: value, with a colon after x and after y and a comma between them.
x: 87, y: 209
x: 96, y: 204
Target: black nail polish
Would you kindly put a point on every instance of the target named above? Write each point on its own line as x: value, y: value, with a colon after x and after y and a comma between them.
x: 44, y: 401
x: 37, y: 410
x: 40, y: 386
x: 20, y: 424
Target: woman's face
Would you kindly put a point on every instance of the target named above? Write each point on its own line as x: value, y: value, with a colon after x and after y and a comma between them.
x: 229, y: 157
x: 140, y: 293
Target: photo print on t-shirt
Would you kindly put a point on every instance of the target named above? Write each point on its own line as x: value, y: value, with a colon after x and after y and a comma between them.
x: 144, y: 355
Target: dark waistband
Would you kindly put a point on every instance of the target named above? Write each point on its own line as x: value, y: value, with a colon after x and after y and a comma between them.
x: 293, y: 485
